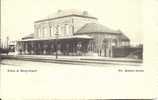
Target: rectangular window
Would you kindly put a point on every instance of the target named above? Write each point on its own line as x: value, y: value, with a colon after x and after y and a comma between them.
x: 58, y: 30
x: 66, y: 29
x: 39, y: 32
x: 45, y: 32
x: 52, y: 31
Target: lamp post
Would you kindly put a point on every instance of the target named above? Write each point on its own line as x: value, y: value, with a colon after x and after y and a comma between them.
x: 50, y: 31
x: 56, y: 43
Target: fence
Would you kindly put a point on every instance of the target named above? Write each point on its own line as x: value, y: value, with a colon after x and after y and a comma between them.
x: 130, y: 52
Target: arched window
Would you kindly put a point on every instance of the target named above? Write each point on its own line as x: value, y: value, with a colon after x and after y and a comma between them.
x: 114, y: 42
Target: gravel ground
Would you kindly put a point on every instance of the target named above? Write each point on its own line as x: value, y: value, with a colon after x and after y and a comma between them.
x: 38, y: 80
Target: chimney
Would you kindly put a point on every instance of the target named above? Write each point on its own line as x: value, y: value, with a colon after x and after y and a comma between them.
x: 85, y: 13
x: 59, y: 11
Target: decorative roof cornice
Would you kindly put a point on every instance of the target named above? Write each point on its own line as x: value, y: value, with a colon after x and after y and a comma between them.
x: 64, y: 17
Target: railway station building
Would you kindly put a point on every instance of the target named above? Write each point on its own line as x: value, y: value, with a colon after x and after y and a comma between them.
x: 71, y: 32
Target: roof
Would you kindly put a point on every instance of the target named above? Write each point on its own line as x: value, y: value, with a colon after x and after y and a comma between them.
x: 98, y: 28
x: 67, y: 13
x: 95, y: 28
x: 124, y: 37
x: 12, y: 43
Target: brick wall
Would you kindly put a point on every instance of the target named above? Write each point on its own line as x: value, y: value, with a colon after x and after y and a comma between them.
x: 74, y: 23
x: 53, y: 23
x: 79, y: 22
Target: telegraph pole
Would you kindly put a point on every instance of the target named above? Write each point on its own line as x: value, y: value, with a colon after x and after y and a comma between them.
x: 7, y: 40
x: 73, y: 26
x: 50, y: 31
x: 56, y: 41
x: 0, y: 31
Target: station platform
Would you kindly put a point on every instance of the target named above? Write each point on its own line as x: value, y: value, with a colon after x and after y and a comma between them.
x: 75, y: 59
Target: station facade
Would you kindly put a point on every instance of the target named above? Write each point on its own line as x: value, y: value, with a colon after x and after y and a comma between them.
x: 71, y: 32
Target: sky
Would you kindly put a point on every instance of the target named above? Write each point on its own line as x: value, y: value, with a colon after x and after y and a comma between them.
x: 18, y: 16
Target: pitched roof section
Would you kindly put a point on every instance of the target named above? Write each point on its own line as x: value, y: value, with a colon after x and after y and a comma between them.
x: 124, y: 37
x: 67, y: 13
x: 98, y: 28
x: 95, y: 28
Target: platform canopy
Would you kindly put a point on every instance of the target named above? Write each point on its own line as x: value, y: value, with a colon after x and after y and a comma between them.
x: 60, y: 38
